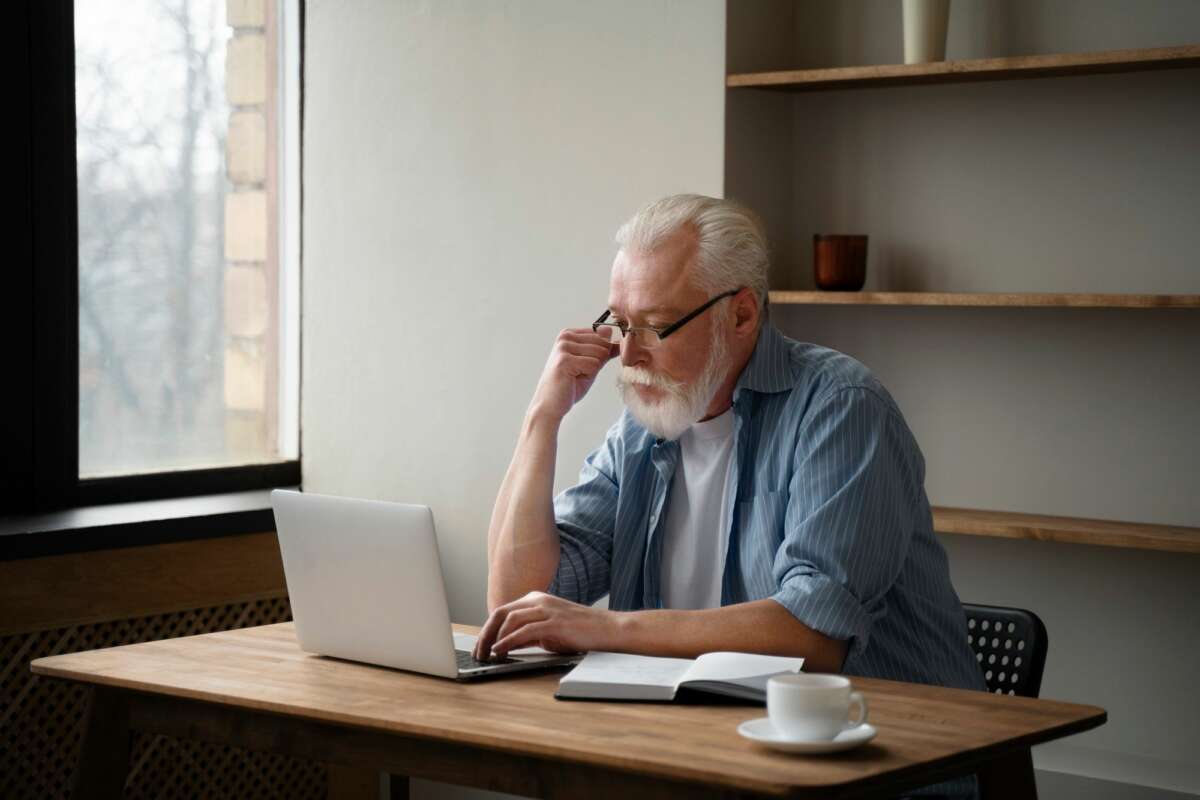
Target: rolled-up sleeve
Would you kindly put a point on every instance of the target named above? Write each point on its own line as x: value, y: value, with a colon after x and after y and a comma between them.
x: 586, y: 519
x: 850, y: 514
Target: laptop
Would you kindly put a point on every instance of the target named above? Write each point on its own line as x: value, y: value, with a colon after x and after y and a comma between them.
x: 365, y: 583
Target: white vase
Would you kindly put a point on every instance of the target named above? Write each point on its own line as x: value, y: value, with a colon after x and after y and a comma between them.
x: 925, y: 30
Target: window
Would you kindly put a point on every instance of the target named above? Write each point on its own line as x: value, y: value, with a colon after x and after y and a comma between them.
x: 156, y: 317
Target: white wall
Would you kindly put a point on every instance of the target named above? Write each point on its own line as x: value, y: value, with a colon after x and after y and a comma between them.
x: 466, y: 165
x: 1068, y: 184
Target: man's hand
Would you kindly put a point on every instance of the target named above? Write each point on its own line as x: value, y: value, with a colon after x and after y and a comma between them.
x: 578, y: 356
x: 543, y: 620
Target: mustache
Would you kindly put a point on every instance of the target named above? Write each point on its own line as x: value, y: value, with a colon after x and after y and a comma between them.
x: 629, y: 376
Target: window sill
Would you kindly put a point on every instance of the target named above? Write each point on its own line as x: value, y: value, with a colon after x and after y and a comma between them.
x: 107, y: 527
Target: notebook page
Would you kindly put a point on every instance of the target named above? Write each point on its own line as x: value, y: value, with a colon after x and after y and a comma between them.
x: 733, y: 666
x: 622, y: 669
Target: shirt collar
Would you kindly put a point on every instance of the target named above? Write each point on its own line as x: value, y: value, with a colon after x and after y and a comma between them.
x: 769, y: 369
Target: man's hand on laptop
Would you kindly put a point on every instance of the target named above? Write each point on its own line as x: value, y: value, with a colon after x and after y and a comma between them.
x: 543, y: 620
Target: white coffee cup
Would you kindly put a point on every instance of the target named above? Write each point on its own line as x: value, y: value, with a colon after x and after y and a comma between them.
x: 811, y: 707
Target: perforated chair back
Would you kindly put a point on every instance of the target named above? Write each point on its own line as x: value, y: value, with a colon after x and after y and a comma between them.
x: 1010, y: 645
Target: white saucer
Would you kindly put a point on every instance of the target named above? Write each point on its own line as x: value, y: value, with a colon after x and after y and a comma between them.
x: 762, y: 731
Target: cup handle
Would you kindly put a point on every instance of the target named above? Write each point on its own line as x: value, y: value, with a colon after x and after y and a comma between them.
x: 857, y: 699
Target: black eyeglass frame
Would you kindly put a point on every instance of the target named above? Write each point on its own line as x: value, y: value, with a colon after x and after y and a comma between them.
x: 663, y: 333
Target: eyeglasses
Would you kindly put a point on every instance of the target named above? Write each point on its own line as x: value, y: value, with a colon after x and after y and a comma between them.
x: 652, y: 337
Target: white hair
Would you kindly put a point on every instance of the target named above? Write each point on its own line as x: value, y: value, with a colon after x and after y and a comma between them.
x: 731, y: 244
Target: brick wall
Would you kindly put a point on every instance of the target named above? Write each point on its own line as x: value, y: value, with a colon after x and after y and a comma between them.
x: 251, y: 307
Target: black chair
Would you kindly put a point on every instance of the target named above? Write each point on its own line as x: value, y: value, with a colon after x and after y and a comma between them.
x: 1010, y: 645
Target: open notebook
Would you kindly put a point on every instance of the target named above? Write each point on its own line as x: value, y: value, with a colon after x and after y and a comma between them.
x: 619, y: 676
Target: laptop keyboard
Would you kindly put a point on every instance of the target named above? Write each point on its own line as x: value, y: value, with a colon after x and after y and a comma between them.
x: 468, y: 661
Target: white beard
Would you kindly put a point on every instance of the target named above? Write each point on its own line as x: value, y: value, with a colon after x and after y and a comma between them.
x: 684, y: 404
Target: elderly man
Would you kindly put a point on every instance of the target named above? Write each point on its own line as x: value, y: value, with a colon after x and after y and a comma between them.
x: 758, y: 494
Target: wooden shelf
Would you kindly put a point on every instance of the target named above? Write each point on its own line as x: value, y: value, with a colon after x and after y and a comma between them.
x: 980, y: 69
x: 1022, y: 300
x: 1072, y: 530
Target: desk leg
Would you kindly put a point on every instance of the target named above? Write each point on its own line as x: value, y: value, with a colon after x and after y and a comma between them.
x: 351, y: 783
x: 104, y: 755
x: 1008, y: 776
x: 361, y: 783
x: 398, y: 787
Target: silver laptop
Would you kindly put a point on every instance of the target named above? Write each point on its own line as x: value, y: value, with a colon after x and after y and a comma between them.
x: 366, y: 584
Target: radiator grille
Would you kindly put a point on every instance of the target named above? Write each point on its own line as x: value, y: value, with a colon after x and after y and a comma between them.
x: 41, y: 720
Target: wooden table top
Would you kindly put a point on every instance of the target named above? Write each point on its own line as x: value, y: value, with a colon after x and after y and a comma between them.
x: 264, y: 669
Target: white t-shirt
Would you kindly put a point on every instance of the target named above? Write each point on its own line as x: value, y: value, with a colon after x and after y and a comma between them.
x: 697, y: 526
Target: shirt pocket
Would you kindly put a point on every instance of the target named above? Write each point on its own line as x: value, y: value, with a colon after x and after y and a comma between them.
x: 759, y: 532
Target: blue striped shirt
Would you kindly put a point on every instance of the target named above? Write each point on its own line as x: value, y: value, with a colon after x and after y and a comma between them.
x: 830, y: 520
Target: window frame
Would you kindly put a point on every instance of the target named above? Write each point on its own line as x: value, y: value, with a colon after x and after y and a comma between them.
x: 39, y: 412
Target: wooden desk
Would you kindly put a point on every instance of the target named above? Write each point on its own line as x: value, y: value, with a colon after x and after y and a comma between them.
x: 254, y: 688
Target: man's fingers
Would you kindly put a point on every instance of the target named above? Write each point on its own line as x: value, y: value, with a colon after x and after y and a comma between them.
x: 582, y: 366
x: 583, y: 336
x: 519, y: 618
x: 525, y: 636
x: 487, y: 634
x: 580, y: 335
x: 593, y: 350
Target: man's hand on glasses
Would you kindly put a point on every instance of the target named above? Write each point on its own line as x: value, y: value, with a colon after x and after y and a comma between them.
x: 577, y: 358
